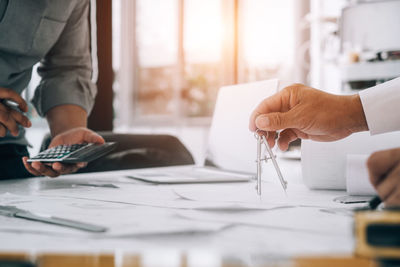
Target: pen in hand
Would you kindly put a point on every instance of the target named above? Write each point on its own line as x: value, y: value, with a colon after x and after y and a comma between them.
x: 9, y: 103
x: 374, y: 202
x: 13, y: 108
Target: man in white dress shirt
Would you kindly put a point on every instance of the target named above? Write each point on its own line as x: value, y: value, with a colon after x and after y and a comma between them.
x: 307, y: 113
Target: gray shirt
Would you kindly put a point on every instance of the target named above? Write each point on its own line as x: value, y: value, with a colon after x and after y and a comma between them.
x: 56, y: 34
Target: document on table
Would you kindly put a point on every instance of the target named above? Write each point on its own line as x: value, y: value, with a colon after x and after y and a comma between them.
x: 237, y: 196
x: 160, y: 196
x: 304, y: 219
x: 244, y: 194
x: 122, y: 220
x: 132, y: 208
x: 301, y: 210
x: 233, y: 204
x: 189, y: 175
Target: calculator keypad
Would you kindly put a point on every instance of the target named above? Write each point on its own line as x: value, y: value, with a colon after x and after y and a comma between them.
x: 74, y: 153
x: 59, y: 152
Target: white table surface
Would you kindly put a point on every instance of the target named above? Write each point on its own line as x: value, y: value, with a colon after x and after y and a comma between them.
x: 262, y: 232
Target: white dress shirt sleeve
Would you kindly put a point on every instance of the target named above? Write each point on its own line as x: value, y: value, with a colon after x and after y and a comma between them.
x: 381, y: 106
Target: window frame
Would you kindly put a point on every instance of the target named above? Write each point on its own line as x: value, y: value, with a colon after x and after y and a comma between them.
x: 126, y: 84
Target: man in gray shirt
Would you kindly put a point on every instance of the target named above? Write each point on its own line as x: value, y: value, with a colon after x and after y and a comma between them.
x: 56, y: 34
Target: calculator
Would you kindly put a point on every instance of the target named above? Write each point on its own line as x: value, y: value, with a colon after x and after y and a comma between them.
x: 74, y: 153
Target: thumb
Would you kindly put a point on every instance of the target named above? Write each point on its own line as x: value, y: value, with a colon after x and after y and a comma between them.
x: 274, y: 121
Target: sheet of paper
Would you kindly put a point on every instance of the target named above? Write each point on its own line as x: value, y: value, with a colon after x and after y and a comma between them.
x: 122, y: 220
x: 189, y: 175
x: 231, y: 145
x: 273, y: 195
x: 236, y: 196
x: 143, y: 194
x: 357, y: 177
x: 272, y: 243
x: 174, y: 209
x: 304, y: 219
x: 152, y: 196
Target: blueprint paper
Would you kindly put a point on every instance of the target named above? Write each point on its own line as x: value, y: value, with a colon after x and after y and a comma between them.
x: 123, y: 220
x: 290, y: 219
x: 273, y: 195
x: 251, y: 226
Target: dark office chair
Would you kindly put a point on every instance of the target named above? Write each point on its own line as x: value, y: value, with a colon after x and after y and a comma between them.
x: 137, y: 151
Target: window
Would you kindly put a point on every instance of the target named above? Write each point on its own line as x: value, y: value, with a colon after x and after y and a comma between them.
x: 157, y: 50
x: 202, y: 64
x: 173, y: 55
x: 267, y: 40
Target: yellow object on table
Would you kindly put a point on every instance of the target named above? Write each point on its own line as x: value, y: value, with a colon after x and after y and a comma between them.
x: 377, y: 234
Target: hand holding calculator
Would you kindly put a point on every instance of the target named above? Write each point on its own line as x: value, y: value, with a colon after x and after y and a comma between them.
x: 74, y: 153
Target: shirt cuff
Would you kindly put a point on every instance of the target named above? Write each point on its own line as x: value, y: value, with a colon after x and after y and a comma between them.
x: 381, y: 106
x: 54, y: 92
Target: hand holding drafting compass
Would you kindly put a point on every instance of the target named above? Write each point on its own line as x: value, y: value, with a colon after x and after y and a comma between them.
x: 263, y: 157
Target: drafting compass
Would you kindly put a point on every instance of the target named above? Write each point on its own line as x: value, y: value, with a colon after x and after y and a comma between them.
x: 261, y: 156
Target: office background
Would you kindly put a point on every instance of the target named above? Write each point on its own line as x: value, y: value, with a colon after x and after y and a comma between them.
x: 161, y: 62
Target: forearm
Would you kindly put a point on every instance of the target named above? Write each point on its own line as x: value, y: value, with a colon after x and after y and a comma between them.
x: 65, y: 117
